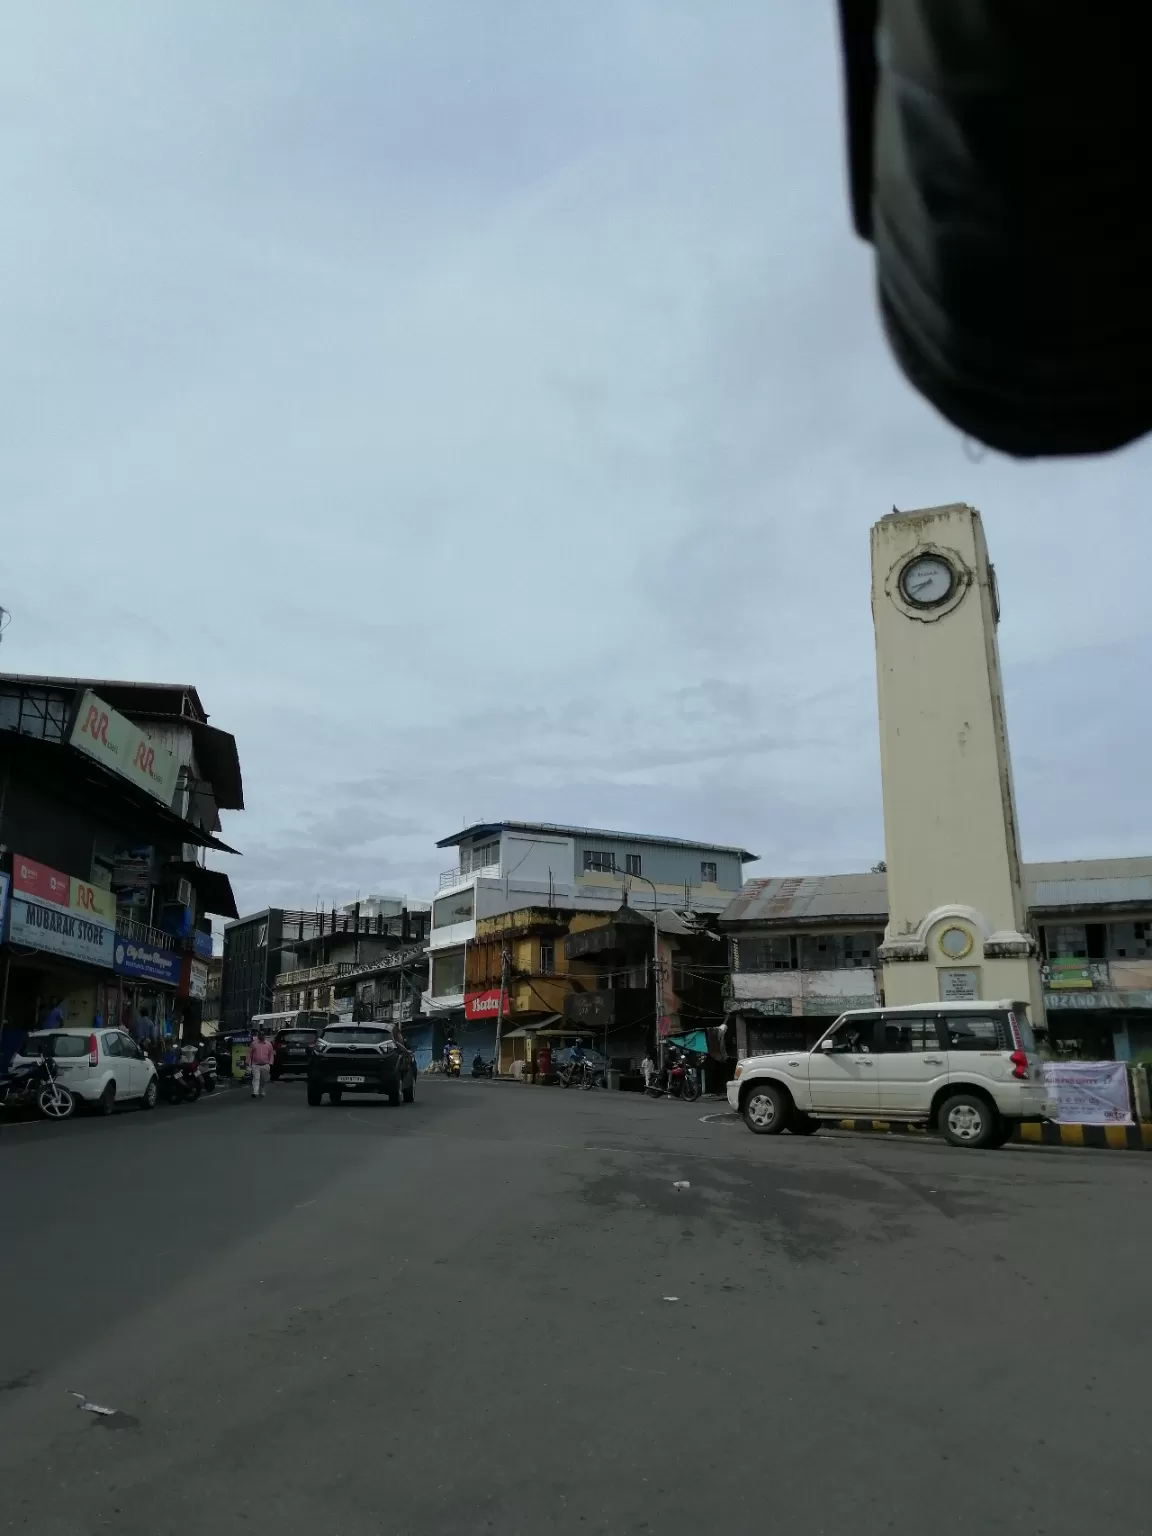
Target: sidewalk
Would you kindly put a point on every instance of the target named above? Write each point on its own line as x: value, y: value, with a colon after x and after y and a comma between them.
x: 1117, y: 1138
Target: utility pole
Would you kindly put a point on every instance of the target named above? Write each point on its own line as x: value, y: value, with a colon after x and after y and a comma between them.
x: 658, y: 967
x: 504, y: 959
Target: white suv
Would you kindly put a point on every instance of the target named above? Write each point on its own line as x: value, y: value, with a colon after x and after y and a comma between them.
x: 969, y: 1069
x: 101, y: 1067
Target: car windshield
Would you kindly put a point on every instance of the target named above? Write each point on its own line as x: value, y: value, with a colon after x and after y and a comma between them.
x: 357, y: 1036
x: 55, y: 1045
x: 298, y: 1036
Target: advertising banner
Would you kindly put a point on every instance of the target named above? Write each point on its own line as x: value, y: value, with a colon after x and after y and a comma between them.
x: 484, y: 1005
x: 147, y: 962
x: 1088, y: 1092
x: 193, y: 978
x: 113, y: 740
x: 202, y: 943
x: 41, y: 925
x: 40, y: 882
x: 132, y: 868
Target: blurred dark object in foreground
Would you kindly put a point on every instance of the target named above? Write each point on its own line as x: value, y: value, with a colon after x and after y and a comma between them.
x: 1000, y: 156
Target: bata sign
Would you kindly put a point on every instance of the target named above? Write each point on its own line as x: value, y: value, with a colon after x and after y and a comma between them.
x: 61, y: 914
x: 114, y: 741
x: 484, y: 1005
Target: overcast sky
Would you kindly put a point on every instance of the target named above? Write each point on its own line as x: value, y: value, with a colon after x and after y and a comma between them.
x: 483, y: 405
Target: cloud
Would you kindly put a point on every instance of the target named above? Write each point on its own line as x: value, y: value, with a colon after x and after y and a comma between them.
x: 487, y: 409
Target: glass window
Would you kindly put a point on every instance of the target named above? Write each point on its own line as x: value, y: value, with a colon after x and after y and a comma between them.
x: 901, y: 1033
x: 298, y: 1036
x: 448, y: 973
x: 774, y: 954
x: 128, y: 1047
x: 54, y: 1044
x: 973, y: 1032
x: 855, y: 1036
x: 360, y: 1036
x: 547, y: 959
x: 632, y: 864
x: 454, y: 909
x: 707, y: 872
x: 599, y: 862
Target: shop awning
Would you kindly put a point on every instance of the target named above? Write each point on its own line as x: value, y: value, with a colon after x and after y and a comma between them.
x: 212, y: 886
x: 533, y: 1029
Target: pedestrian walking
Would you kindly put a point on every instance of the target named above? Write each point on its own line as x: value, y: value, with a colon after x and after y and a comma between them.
x: 260, y: 1057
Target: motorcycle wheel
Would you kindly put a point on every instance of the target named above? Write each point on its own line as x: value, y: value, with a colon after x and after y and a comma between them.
x: 55, y: 1102
x: 689, y: 1090
x: 194, y: 1089
x: 565, y: 1079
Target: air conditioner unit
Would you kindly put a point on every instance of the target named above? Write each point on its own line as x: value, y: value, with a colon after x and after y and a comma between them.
x: 184, y: 893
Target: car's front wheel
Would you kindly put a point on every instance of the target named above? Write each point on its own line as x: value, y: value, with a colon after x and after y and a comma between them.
x: 150, y: 1095
x: 968, y: 1120
x: 765, y: 1109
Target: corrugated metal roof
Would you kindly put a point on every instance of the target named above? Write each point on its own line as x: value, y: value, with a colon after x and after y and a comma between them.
x: 1072, y: 885
x: 559, y: 829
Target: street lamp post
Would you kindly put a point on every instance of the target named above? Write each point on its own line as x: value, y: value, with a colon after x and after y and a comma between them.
x: 658, y: 972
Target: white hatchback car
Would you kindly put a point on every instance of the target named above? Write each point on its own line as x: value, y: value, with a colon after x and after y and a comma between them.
x: 968, y: 1069
x: 101, y: 1067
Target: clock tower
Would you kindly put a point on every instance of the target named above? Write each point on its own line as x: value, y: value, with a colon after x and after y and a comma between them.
x: 957, y: 919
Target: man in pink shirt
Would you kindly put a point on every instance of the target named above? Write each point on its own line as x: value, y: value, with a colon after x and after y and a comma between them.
x: 260, y: 1058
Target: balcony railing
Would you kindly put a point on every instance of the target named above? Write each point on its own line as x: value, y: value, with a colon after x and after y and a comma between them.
x: 314, y: 973
x: 455, y: 876
x: 142, y: 933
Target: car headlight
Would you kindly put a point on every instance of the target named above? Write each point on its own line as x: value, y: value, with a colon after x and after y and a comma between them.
x: 739, y: 1068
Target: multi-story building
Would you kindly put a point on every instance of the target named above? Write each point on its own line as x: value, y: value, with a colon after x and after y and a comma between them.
x: 802, y: 950
x: 112, y: 795
x: 276, y: 961
x: 522, y: 886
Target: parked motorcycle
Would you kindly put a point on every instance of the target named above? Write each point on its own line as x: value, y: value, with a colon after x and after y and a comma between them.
x: 482, y: 1068
x: 35, y: 1083
x: 179, y: 1081
x: 581, y: 1074
x: 206, y: 1067
x: 452, y: 1062
x: 678, y: 1081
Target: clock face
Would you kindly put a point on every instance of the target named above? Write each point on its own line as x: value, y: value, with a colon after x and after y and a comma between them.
x: 927, y: 580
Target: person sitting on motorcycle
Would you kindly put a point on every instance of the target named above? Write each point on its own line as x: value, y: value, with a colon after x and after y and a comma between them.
x: 578, y: 1053
x: 449, y: 1047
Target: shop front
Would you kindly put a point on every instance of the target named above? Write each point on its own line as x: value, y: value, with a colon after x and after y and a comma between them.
x: 148, y: 975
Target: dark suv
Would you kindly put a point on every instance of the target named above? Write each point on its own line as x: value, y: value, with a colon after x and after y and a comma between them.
x: 292, y: 1050
x: 360, y: 1058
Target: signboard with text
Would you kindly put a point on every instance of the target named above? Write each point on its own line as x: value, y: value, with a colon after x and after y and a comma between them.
x: 147, y: 962
x: 961, y: 985
x: 122, y: 747
x: 484, y: 1005
x: 1088, y: 1092
x: 61, y: 914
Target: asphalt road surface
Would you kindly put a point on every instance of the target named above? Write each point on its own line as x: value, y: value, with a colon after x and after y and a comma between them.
x: 493, y: 1311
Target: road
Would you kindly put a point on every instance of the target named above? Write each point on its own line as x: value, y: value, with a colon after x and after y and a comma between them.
x: 492, y: 1311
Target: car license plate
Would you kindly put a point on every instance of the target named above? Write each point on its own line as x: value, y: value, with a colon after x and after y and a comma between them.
x: 349, y: 1079
x: 295, y: 1050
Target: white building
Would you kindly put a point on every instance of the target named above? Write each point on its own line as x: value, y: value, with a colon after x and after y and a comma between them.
x: 505, y: 866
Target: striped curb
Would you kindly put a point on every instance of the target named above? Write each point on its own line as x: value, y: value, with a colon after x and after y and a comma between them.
x: 1121, y: 1138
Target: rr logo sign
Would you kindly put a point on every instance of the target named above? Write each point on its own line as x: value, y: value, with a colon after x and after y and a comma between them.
x: 144, y: 759
x: 85, y: 897
x: 95, y: 725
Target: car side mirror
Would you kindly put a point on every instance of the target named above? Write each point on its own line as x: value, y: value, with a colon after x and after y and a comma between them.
x: 828, y: 1044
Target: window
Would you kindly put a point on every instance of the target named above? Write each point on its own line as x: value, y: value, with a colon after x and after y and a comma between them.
x: 547, y: 959
x: 707, y: 872
x: 902, y: 1034
x: 55, y: 1045
x: 775, y: 954
x: 128, y: 1047
x: 448, y: 974
x: 632, y: 864
x: 855, y: 1036
x: 971, y: 1032
x: 357, y: 1036
x: 111, y: 1044
x: 454, y: 909
x: 599, y: 863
